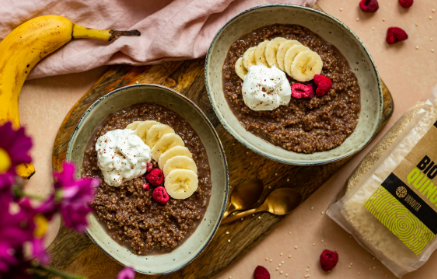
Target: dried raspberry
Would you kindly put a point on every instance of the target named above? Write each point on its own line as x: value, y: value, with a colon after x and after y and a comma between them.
x: 396, y: 34
x: 155, y: 177
x: 299, y: 90
x: 160, y: 195
x: 146, y: 187
x: 328, y: 260
x: 406, y: 3
x: 369, y: 6
x: 261, y: 273
x: 323, y: 84
x: 149, y: 166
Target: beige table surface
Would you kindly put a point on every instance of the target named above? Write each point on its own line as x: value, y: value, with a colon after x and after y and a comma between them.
x: 409, y: 73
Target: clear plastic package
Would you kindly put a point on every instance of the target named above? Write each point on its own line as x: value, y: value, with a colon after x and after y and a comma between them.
x: 390, y: 201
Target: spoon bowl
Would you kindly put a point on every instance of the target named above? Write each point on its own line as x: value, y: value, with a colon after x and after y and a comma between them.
x: 282, y: 201
x: 279, y: 202
x: 245, y: 195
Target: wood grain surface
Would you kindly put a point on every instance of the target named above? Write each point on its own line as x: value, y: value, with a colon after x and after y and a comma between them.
x: 77, y: 254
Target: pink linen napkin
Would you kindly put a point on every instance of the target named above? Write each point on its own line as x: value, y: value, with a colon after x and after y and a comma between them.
x: 170, y: 30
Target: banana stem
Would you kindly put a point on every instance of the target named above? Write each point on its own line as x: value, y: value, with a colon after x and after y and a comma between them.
x: 115, y: 34
x: 82, y: 32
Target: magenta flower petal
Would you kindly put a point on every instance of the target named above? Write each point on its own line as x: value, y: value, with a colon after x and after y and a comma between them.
x: 39, y: 252
x: 15, y: 230
x: 75, y: 197
x: 13, y: 265
x: 75, y: 217
x: 126, y: 273
x: 16, y: 144
x: 21, y: 147
x: 48, y: 208
x: 6, y: 182
x: 65, y: 178
x: 7, y: 258
x: 84, y: 188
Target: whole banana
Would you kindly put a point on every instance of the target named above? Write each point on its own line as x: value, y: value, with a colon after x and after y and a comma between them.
x: 24, y: 47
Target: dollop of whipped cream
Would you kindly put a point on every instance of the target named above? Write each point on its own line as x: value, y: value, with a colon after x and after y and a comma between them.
x: 265, y: 88
x: 122, y: 156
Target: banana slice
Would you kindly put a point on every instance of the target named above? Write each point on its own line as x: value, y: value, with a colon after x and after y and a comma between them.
x: 240, y: 70
x: 260, y: 54
x: 181, y: 184
x: 306, y: 65
x: 166, y: 142
x: 249, y: 58
x: 156, y: 132
x: 283, y: 47
x: 291, y: 53
x: 142, y: 127
x: 179, y: 162
x: 272, y: 49
x: 133, y: 125
x: 172, y: 152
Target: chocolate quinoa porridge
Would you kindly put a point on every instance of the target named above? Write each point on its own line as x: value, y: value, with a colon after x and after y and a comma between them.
x: 304, y: 125
x: 132, y: 217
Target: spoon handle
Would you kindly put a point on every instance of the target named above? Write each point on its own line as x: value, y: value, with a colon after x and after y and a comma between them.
x: 241, y: 215
x: 230, y: 209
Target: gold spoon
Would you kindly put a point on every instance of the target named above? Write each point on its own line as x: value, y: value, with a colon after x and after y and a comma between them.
x: 279, y: 202
x: 245, y: 195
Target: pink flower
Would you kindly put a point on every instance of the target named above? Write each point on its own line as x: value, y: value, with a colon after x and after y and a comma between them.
x: 38, y: 230
x: 19, y: 267
x: 126, y: 273
x: 6, y: 182
x: 14, y: 148
x: 39, y: 251
x: 72, y: 198
x: 15, y: 230
x: 7, y: 258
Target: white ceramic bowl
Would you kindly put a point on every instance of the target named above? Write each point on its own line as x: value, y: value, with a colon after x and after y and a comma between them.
x: 193, y: 246
x: 334, y: 32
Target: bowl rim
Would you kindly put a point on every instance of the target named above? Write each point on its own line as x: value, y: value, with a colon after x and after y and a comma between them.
x: 266, y: 154
x: 220, y: 144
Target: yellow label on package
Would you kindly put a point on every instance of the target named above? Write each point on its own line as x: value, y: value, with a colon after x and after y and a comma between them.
x: 406, y: 201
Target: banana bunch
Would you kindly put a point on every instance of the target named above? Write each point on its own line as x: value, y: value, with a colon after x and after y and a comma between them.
x: 290, y: 56
x: 168, y: 149
x: 28, y: 44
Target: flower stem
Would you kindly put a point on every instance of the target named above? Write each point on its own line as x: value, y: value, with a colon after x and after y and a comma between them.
x: 33, y: 196
x: 20, y: 193
x: 57, y: 272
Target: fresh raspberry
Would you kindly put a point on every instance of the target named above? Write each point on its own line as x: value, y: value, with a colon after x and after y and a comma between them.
x: 160, y: 195
x: 328, y: 260
x: 369, y: 6
x: 149, y: 166
x: 299, y: 90
x: 261, y: 273
x: 146, y: 187
x: 406, y: 3
x: 155, y: 177
x: 395, y: 34
x: 323, y: 84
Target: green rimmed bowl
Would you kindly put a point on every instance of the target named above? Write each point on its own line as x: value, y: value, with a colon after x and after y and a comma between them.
x: 193, y: 245
x: 334, y: 32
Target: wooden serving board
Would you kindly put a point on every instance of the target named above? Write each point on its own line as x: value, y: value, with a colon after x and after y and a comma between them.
x: 76, y: 253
